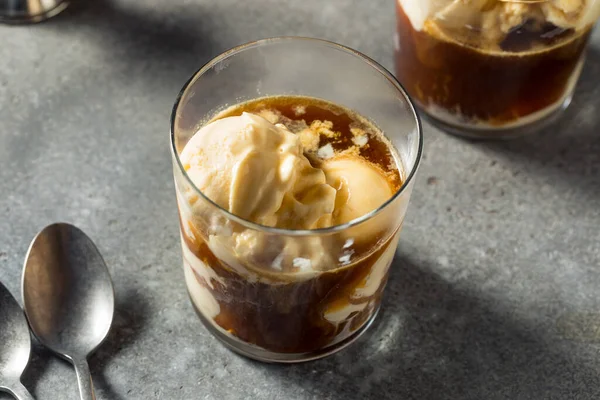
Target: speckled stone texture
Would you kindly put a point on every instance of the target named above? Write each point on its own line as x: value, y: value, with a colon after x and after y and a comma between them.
x: 495, y: 291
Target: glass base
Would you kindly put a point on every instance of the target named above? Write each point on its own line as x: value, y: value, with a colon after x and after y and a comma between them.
x: 472, y: 132
x: 260, y: 354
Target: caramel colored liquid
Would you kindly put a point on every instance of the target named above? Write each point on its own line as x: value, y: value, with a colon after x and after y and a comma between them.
x: 528, y: 73
x: 287, y: 314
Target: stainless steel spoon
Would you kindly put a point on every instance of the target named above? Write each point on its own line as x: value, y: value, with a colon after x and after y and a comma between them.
x: 68, y: 297
x: 15, y: 346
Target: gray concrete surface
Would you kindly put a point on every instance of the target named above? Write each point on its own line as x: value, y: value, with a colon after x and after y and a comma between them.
x: 495, y: 291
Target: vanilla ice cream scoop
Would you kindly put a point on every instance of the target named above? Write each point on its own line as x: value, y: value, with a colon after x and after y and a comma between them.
x: 501, y: 15
x: 419, y: 11
x: 361, y: 188
x: 576, y: 14
x: 257, y: 171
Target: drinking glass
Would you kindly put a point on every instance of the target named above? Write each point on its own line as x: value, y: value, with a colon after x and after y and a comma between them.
x: 242, y: 295
x: 492, y: 68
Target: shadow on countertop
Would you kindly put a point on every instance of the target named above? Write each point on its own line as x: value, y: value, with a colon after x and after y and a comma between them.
x: 570, y: 148
x: 129, y: 321
x: 38, y: 364
x: 435, y: 341
x: 163, y: 48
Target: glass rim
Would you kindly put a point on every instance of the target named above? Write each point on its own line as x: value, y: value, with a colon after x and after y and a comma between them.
x: 299, y: 232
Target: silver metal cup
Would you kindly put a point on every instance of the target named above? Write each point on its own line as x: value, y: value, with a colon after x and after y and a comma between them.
x: 29, y: 11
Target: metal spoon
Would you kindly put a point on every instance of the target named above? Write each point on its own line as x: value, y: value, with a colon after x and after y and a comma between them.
x: 68, y: 297
x: 15, y: 346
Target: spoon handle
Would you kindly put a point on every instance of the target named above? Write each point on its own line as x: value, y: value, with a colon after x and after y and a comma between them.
x: 84, y: 379
x: 19, y: 391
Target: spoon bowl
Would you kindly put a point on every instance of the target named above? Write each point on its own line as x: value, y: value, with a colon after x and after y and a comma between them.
x: 15, y: 345
x: 68, y: 296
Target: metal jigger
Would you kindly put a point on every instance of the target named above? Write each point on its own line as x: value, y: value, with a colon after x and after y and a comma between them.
x: 29, y: 11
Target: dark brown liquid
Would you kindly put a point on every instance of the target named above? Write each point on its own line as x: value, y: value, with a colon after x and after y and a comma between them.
x: 490, y: 87
x: 287, y: 318
x: 287, y: 314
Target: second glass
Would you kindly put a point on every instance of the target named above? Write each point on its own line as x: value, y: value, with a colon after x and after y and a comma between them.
x: 492, y: 68
x: 288, y: 295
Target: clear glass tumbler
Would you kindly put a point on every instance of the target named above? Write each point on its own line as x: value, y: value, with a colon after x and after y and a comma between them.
x: 241, y: 294
x: 492, y: 68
